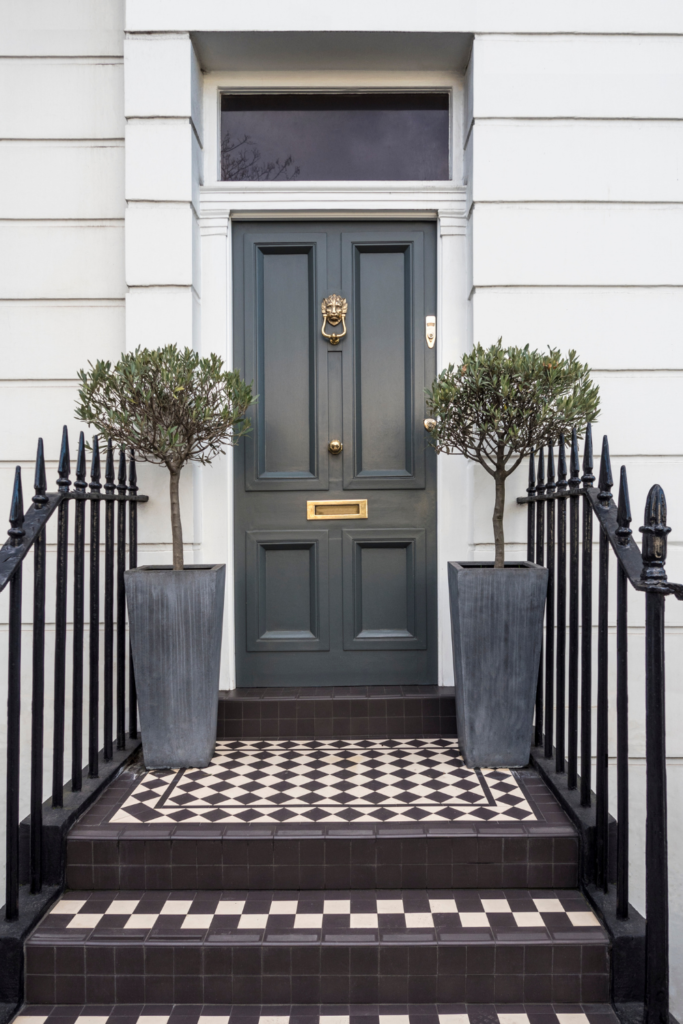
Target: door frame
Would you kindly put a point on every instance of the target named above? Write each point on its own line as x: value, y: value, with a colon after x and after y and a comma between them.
x: 225, y: 202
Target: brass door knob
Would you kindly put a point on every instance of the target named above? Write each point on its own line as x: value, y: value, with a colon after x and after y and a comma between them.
x: 334, y: 447
x: 430, y: 424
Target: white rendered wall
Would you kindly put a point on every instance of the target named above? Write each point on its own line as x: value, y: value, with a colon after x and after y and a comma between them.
x: 575, y: 188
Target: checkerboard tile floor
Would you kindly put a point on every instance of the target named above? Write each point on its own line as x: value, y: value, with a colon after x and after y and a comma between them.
x: 456, y: 1014
x: 321, y: 781
x: 446, y: 916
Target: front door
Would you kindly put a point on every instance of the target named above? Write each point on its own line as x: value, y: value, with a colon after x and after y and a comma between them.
x: 335, y: 487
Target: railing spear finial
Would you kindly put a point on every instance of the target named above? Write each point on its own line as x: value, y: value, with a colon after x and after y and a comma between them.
x: 121, y: 487
x: 654, y: 531
x: 540, y: 479
x: 551, y: 469
x: 574, y: 463
x: 95, y: 470
x: 40, y: 479
x: 64, y: 469
x: 561, y: 464
x: 531, y: 488
x: 16, y: 516
x: 588, y: 479
x: 623, y: 530
x: 81, y: 483
x: 109, y: 469
x: 605, y: 481
x: 132, y: 473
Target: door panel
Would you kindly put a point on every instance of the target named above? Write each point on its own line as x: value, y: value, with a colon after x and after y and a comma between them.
x: 384, y: 590
x: 282, y: 358
x: 327, y: 602
x: 287, y: 591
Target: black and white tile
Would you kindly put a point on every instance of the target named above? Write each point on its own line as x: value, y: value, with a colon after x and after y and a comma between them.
x: 328, y: 781
x: 319, y: 916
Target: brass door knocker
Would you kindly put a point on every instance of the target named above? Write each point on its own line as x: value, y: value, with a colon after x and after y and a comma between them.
x: 334, y: 310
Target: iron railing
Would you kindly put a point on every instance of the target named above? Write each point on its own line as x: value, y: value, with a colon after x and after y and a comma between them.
x: 561, y: 510
x: 28, y: 533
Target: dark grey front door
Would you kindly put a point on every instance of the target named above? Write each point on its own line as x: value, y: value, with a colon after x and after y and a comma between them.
x: 347, y: 600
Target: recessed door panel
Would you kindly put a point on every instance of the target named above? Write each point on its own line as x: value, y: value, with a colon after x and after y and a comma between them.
x: 384, y: 590
x: 287, y: 591
x: 335, y: 487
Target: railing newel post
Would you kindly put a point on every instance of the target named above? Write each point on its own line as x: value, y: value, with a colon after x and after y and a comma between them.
x: 540, y: 534
x: 121, y: 605
x: 586, y: 620
x: 80, y: 486
x: 132, y: 564
x: 63, y: 486
x: 94, y: 635
x: 573, y: 717
x: 605, y: 484
x: 561, y: 616
x: 108, y: 746
x: 38, y: 680
x: 624, y: 535
x: 16, y: 533
x: 550, y: 609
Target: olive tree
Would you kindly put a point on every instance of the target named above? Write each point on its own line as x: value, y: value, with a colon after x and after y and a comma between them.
x: 170, y: 406
x: 499, y: 405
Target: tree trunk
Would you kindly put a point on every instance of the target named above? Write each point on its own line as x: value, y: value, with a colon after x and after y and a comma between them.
x: 176, y: 525
x: 498, y: 531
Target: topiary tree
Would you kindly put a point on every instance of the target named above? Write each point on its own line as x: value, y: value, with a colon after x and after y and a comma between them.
x: 502, y: 404
x: 171, y: 407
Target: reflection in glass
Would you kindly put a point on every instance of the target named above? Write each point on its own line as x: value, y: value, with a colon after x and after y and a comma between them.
x: 335, y: 137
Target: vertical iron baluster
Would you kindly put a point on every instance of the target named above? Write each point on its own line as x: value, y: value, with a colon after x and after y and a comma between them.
x: 624, y: 535
x: 79, y: 598
x: 573, y: 719
x: 605, y: 484
x: 586, y: 621
x: 109, y: 604
x: 540, y: 525
x: 38, y: 680
x: 132, y: 564
x: 654, y: 533
x: 121, y: 607
x: 561, y: 618
x: 94, y: 637
x: 550, y: 609
x: 63, y: 485
x: 531, y: 512
x: 16, y: 533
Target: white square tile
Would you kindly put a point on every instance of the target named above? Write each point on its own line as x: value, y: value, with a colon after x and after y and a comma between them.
x: 334, y: 1020
x: 496, y: 906
x: 364, y: 921
x: 213, y: 1020
x: 39, y: 1020
x: 549, y: 906
x: 283, y: 906
x: 92, y: 1020
x: 454, y: 1018
x: 572, y: 1018
x: 85, y: 920
x: 230, y: 907
x: 68, y: 907
x: 180, y: 907
x: 337, y: 907
x: 197, y: 921
x: 273, y: 1020
x: 526, y: 919
x: 473, y: 920
x: 513, y: 1018
x: 122, y: 907
x: 393, y: 1018
x: 141, y: 921
x: 419, y: 920
x: 253, y: 921
x: 443, y: 907
x: 583, y: 918
x: 152, y: 1020
x: 389, y: 906
x: 308, y: 921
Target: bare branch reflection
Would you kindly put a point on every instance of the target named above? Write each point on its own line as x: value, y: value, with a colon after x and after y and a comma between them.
x: 241, y: 161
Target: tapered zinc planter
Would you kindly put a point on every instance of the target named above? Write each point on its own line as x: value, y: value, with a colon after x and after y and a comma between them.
x: 176, y: 625
x: 497, y: 624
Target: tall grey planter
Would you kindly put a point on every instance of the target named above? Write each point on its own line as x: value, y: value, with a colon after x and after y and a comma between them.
x: 176, y: 626
x: 497, y: 624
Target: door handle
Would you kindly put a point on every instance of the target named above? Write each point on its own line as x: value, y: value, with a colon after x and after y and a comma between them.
x: 334, y: 309
x: 334, y: 447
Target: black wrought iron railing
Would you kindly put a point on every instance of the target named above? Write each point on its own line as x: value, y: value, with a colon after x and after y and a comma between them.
x: 117, y: 503
x: 562, y: 513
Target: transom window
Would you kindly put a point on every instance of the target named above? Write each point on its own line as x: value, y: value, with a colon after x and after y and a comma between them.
x: 335, y: 136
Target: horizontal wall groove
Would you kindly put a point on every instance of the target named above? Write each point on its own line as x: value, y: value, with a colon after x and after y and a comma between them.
x: 89, y: 61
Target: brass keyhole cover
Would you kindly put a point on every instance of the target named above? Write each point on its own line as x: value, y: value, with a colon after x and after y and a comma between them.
x: 334, y: 447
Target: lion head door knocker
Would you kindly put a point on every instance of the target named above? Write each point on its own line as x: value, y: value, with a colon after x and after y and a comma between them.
x: 334, y: 310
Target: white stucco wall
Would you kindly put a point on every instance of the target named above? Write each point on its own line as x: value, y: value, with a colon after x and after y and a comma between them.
x: 571, y: 131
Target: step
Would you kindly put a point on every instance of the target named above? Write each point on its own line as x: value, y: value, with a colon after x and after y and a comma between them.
x: 324, y: 712
x: 348, y: 946
x: 325, y: 814
x: 339, y: 1013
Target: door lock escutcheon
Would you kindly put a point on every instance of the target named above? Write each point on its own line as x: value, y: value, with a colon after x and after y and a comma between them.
x: 430, y: 331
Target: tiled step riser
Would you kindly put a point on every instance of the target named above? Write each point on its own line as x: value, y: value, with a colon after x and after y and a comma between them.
x: 461, y: 862
x: 325, y: 713
x: 130, y: 973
